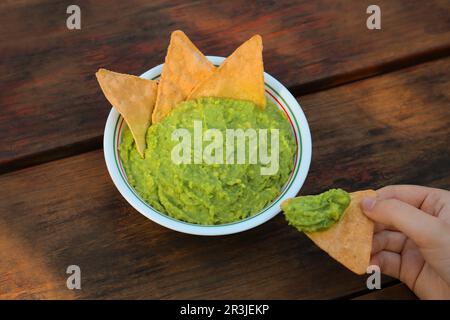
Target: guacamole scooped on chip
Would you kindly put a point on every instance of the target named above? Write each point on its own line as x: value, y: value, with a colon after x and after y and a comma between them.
x: 335, y: 222
x: 205, y: 193
x: 315, y: 213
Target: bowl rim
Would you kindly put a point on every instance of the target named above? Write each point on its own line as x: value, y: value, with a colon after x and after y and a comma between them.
x: 282, y: 98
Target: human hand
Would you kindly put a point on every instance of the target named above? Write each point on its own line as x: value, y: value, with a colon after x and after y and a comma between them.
x: 412, y: 237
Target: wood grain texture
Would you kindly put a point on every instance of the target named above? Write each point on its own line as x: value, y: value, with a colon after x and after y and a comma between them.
x: 398, y: 291
x: 385, y: 130
x: 52, y: 107
x: 124, y: 255
x: 389, y: 129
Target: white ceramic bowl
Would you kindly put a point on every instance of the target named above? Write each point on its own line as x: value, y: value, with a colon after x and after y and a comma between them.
x: 277, y: 93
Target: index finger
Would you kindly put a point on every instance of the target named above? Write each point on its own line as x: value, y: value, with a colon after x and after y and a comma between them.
x: 422, y: 228
x: 411, y: 194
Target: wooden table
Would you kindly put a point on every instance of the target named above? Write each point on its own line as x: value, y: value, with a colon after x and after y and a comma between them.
x: 377, y: 101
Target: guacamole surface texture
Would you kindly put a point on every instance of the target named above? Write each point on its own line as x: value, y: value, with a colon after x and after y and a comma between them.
x: 318, y: 212
x: 203, y: 193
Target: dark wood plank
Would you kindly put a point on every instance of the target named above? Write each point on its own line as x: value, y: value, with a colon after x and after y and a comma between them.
x: 52, y: 107
x: 388, y: 129
x: 396, y: 292
x: 385, y: 130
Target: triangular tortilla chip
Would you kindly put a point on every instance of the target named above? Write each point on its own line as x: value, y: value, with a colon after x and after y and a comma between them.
x: 240, y: 76
x: 350, y: 240
x: 133, y: 97
x: 185, y: 66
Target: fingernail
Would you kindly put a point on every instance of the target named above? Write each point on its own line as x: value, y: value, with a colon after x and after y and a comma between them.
x: 368, y: 203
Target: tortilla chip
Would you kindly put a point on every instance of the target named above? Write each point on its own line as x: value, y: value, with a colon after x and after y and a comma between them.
x: 185, y: 66
x: 350, y: 240
x: 133, y: 97
x: 240, y: 76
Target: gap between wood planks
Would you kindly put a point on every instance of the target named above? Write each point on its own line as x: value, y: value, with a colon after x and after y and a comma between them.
x: 300, y: 90
x: 361, y: 293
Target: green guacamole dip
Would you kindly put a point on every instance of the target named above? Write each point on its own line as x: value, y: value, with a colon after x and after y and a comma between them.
x: 208, y: 193
x: 316, y: 213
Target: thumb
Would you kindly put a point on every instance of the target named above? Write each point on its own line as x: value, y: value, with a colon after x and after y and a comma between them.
x: 421, y: 227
